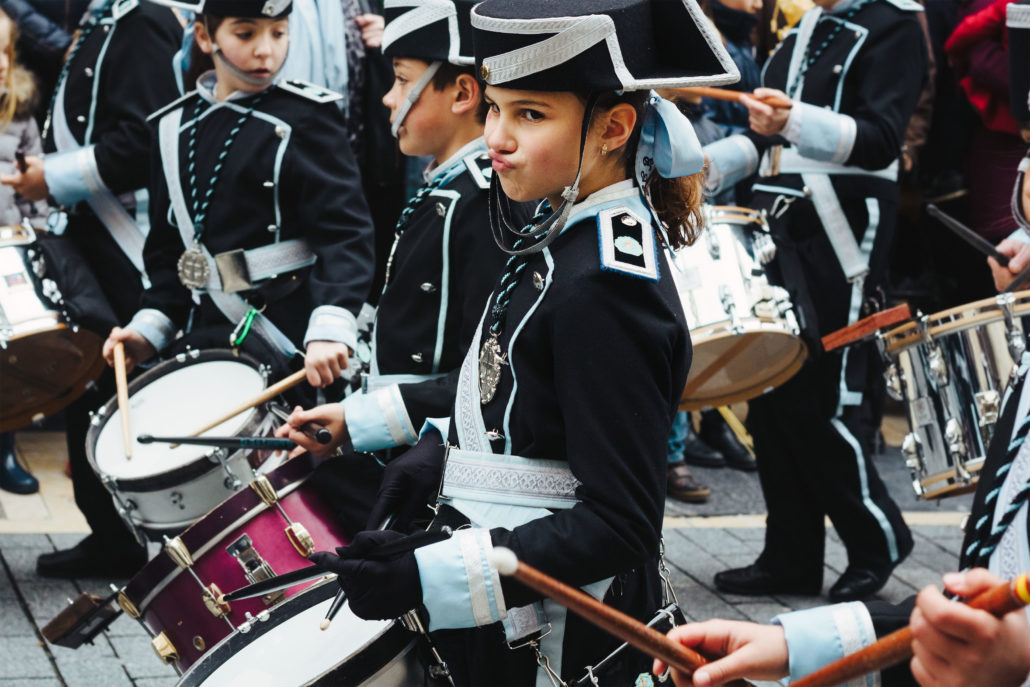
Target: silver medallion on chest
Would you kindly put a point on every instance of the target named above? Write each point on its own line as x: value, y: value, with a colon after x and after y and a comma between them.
x: 490, y: 361
x: 193, y: 268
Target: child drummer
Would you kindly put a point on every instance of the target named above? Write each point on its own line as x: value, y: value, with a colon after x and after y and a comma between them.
x: 259, y: 234
x: 441, y: 267
x: 565, y: 398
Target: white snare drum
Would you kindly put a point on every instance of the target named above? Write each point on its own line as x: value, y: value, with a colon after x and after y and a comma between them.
x: 951, y: 369
x: 284, y: 647
x: 164, y: 489
x: 745, y: 335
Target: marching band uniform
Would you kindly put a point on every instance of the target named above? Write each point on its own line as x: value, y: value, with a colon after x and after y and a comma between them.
x: 829, y: 183
x: 556, y: 447
x: 292, y: 264
x: 97, y: 154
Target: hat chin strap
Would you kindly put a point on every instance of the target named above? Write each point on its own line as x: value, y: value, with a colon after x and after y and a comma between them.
x: 242, y: 75
x: 413, y: 96
x: 550, y: 228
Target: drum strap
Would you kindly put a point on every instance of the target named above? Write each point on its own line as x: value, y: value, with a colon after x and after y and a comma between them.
x: 232, y: 306
x: 120, y: 224
x: 824, y: 198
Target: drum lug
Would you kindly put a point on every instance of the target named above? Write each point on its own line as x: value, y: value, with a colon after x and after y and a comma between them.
x: 126, y: 605
x: 231, y: 481
x: 178, y: 552
x: 254, y: 566
x: 215, y: 601
x: 164, y: 648
x: 988, y: 403
x: 912, y: 449
x: 956, y: 445
x: 938, y: 367
x: 264, y: 489
x: 300, y: 538
x: 251, y: 620
x: 892, y: 377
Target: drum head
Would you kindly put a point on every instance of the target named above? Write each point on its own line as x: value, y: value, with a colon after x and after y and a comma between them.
x: 730, y: 368
x: 175, y: 400
x: 289, y: 648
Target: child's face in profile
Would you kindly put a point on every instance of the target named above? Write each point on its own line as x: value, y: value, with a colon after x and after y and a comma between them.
x: 424, y: 128
x: 6, y: 28
x: 533, y: 137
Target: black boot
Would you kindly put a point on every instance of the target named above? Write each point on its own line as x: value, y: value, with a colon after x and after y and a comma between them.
x: 13, y: 477
x: 719, y: 435
x: 89, y: 558
x: 697, y: 452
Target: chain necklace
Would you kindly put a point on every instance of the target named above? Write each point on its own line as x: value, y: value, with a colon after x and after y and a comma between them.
x: 402, y: 222
x: 810, y: 57
x: 91, y: 20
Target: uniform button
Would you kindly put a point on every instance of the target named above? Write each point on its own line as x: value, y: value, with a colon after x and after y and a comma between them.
x: 441, y: 210
x: 428, y: 288
x: 280, y: 131
x: 417, y: 357
x: 268, y: 184
x: 89, y: 72
x: 272, y: 227
x: 80, y: 118
x: 838, y: 68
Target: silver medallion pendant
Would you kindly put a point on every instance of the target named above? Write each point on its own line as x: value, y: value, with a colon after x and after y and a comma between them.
x: 193, y: 268
x: 490, y: 361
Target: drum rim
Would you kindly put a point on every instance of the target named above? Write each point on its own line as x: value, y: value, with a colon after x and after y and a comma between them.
x: 751, y: 215
x: 201, y: 536
x: 392, y: 635
x: 984, y: 310
x: 183, y: 473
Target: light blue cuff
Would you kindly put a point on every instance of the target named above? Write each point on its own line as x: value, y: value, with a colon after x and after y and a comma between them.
x: 821, y: 134
x: 733, y: 159
x: 378, y: 420
x: 1020, y: 235
x: 155, y: 326
x: 818, y: 636
x: 72, y: 176
x: 332, y: 323
x: 459, y: 586
x: 441, y: 425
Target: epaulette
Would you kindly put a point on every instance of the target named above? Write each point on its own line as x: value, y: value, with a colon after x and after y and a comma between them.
x: 906, y: 5
x: 157, y: 114
x: 480, y: 168
x: 309, y: 91
x: 627, y: 243
x: 122, y: 8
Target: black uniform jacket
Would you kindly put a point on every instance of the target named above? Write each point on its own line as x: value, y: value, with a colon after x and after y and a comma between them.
x: 289, y: 174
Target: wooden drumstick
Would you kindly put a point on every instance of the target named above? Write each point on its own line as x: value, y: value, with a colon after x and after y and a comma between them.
x: 628, y: 629
x: 733, y: 96
x: 866, y: 327
x: 122, y: 387
x: 266, y: 395
x: 897, y: 646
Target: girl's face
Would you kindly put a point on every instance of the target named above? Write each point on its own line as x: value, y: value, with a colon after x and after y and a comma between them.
x: 749, y: 6
x: 6, y: 48
x: 421, y: 133
x: 256, y: 46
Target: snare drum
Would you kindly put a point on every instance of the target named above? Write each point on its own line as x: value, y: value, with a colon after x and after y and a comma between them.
x: 46, y: 361
x: 745, y: 335
x: 951, y: 369
x: 164, y: 489
x: 265, y: 530
x: 284, y: 647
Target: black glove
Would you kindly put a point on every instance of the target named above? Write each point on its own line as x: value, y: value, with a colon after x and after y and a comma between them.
x: 409, y: 484
x: 376, y: 589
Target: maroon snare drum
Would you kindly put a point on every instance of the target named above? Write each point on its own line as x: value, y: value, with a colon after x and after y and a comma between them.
x: 260, y: 531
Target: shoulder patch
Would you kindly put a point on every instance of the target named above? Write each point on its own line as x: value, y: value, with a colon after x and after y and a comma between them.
x: 627, y: 244
x: 181, y: 100
x: 122, y: 8
x: 309, y: 91
x: 906, y: 5
x: 480, y: 168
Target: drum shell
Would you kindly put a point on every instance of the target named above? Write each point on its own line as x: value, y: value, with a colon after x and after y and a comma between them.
x: 385, y: 656
x: 168, y: 599
x: 168, y: 501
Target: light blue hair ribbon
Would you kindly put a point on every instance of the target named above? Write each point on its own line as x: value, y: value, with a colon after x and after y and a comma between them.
x: 668, y: 144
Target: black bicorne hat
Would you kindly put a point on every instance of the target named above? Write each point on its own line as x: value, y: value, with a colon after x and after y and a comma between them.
x: 432, y: 30
x: 598, y: 45
x: 253, y: 9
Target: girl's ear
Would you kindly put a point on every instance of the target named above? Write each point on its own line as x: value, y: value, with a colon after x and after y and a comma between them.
x: 617, y: 126
x: 201, y: 36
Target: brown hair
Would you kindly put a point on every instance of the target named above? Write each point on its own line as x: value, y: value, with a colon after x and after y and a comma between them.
x: 448, y: 74
x: 19, y: 98
x: 677, y: 202
x: 200, y: 61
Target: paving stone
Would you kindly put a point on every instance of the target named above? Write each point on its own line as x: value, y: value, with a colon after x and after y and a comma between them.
x: 93, y: 671
x: 750, y: 534
x: 704, y: 604
x: 917, y: 575
x: 22, y: 562
x: 138, y: 657
x: 716, y: 540
x: 156, y: 682
x: 30, y: 682
x: 20, y: 541
x: 762, y: 612
x: 100, y: 648
x: 46, y: 598
x: 15, y: 622
x: 23, y: 657
x: 799, y: 603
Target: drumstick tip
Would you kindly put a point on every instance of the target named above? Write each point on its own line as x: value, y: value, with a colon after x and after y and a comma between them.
x: 145, y: 438
x: 324, y: 625
x: 504, y: 560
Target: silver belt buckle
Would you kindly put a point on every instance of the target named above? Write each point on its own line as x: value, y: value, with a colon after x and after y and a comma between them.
x: 232, y: 269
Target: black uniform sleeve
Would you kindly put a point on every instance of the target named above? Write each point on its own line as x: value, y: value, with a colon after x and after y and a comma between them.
x: 476, y: 264
x: 617, y: 352
x: 138, y: 79
x: 321, y: 177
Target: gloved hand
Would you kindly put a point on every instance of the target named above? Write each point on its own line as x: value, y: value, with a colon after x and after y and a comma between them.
x: 376, y: 589
x: 409, y: 484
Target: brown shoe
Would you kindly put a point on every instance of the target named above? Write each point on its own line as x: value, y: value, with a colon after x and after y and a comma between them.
x: 684, y: 486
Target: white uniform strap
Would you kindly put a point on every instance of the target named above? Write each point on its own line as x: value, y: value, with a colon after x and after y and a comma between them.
x: 468, y: 414
x: 835, y: 223
x: 806, y: 27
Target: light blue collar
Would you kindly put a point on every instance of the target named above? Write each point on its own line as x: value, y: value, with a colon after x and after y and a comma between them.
x: 620, y: 193
x: 206, y: 89
x: 433, y: 170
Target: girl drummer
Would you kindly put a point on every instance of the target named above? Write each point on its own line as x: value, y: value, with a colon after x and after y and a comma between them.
x: 557, y: 440
x: 258, y: 225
